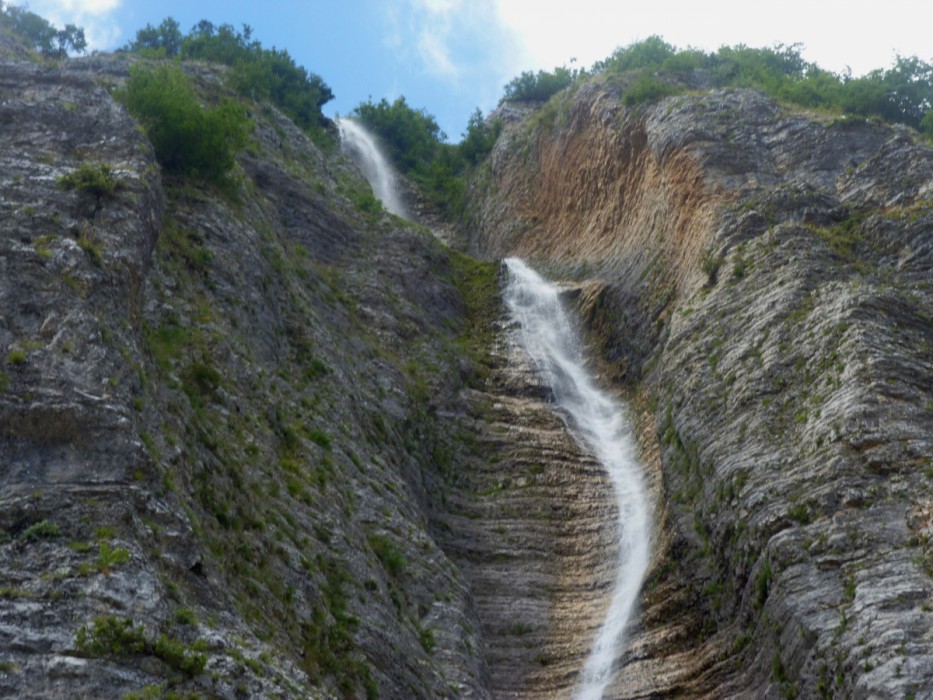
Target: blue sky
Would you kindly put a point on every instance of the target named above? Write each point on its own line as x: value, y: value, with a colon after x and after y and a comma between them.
x: 451, y: 56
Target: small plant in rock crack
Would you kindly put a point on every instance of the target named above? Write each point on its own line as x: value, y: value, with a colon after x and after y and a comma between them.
x: 97, y: 180
x: 108, y: 557
x: 41, y: 530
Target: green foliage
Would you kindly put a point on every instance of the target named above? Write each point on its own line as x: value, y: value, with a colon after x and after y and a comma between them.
x: 652, y: 53
x: 164, y: 40
x: 97, y: 180
x: 710, y: 265
x: 111, y: 637
x: 40, y: 34
x: 416, y: 144
x: 185, y: 616
x: 200, y: 380
x: 319, y: 438
x: 328, y: 643
x: 478, y: 284
x: 42, y: 530
x: 411, y: 137
x: 479, y: 137
x: 426, y: 637
x: 177, y: 655
x: 257, y: 73
x: 390, y: 556
x: 115, y: 638
x: 903, y: 93
x: 187, y: 138
x: 648, y: 88
x: 763, y: 585
x: 538, y: 87
x: 109, y: 557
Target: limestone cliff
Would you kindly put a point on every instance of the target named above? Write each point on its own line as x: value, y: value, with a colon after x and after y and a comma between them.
x: 218, y: 417
x: 265, y: 440
x: 760, y: 282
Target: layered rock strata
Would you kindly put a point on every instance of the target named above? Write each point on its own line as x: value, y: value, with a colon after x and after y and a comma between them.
x: 760, y: 280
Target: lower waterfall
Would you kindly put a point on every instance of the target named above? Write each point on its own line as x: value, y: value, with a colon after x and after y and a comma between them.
x: 598, y: 423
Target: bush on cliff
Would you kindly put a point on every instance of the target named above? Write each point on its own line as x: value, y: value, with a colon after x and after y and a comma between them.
x: 188, y: 139
x: 40, y: 34
x: 901, y: 94
x: 538, y: 87
x: 257, y: 72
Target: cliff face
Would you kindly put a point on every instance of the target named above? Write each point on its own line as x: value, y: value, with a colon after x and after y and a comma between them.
x: 218, y: 418
x: 265, y: 440
x: 760, y: 282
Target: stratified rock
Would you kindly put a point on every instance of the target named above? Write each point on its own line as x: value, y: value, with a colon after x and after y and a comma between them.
x: 762, y: 281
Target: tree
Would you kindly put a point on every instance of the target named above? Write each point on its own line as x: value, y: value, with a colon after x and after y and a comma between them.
x: 411, y: 136
x: 166, y: 39
x: 187, y: 138
x: 41, y: 35
x: 479, y: 138
x: 538, y: 87
x: 257, y: 73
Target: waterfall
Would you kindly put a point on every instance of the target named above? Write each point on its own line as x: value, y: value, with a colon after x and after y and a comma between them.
x: 599, y: 425
x: 361, y: 145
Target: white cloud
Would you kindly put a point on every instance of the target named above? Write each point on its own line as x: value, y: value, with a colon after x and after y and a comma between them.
x: 434, y: 52
x: 455, y: 39
x: 94, y: 16
x: 835, y: 33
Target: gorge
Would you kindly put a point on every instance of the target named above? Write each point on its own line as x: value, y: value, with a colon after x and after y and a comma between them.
x: 264, y: 438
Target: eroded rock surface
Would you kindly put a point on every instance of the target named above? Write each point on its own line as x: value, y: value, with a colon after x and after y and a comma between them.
x: 216, y: 419
x: 761, y: 280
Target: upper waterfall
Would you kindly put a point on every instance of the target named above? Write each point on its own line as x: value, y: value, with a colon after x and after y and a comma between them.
x: 362, y: 146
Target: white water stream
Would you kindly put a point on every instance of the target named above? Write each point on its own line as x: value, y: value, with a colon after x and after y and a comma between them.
x: 362, y: 146
x: 596, y: 419
x: 598, y: 423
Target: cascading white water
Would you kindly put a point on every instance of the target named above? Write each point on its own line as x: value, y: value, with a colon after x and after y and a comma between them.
x: 598, y: 423
x: 363, y: 148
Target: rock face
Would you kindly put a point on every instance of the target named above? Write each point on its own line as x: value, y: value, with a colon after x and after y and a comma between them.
x: 259, y: 441
x: 218, y: 419
x: 760, y: 281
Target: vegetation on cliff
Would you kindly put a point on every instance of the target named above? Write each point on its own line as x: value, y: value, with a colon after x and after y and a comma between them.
x: 39, y: 32
x: 419, y: 148
x: 255, y: 72
x: 188, y: 139
x: 654, y: 69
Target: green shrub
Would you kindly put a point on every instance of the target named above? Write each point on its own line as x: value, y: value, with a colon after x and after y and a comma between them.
x: 710, y: 265
x: 648, y: 88
x: 392, y: 559
x: 185, y: 616
x: 108, y: 557
x: 97, y: 180
x: 257, y: 73
x: 187, y: 138
x: 479, y: 137
x: 178, y: 656
x: 763, y: 585
x: 41, y: 35
x: 426, y: 636
x: 42, y: 530
x: 319, y: 438
x: 538, y: 87
x: 902, y: 93
x: 112, y: 637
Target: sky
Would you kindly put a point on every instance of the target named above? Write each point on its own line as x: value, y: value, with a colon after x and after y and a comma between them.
x: 449, y: 57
